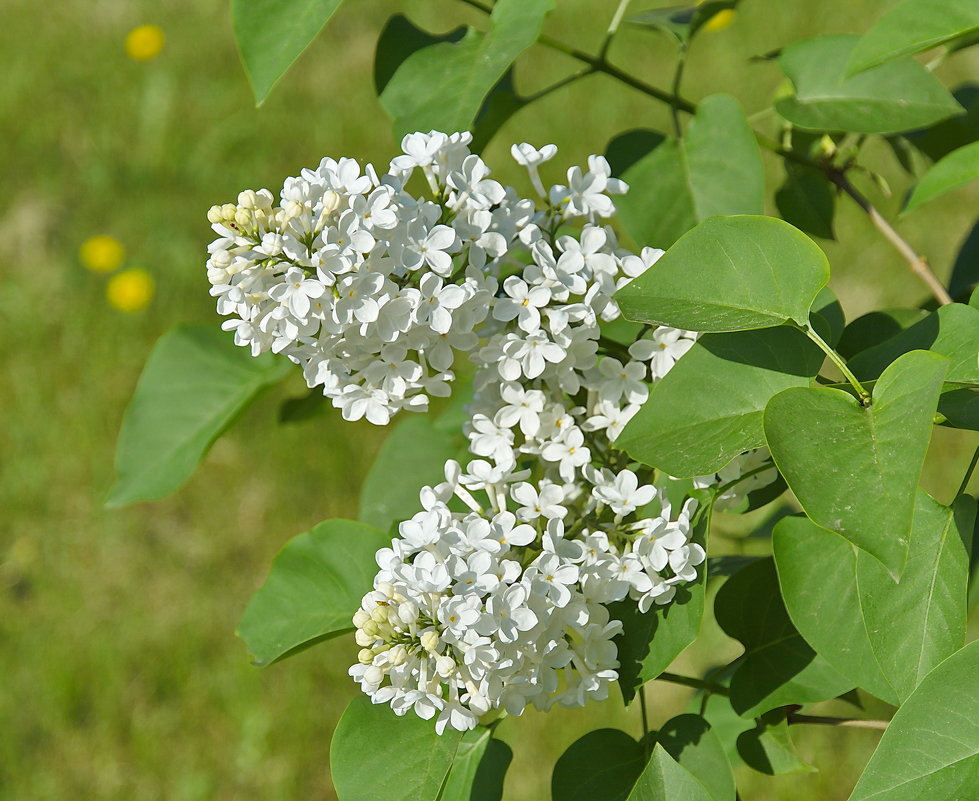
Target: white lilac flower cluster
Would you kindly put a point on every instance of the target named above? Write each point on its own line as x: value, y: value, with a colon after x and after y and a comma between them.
x: 372, y: 289
x: 493, y: 597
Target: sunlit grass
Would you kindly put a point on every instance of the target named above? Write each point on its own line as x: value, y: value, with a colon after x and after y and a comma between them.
x: 122, y: 678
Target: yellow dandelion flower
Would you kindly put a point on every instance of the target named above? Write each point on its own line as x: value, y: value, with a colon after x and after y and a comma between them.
x: 102, y: 254
x: 130, y: 291
x: 145, y: 42
x: 721, y: 20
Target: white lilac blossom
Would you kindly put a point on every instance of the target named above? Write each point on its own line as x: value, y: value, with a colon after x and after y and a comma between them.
x: 374, y: 292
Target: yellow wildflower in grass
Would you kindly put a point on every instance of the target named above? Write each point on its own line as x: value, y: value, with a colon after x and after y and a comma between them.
x: 130, y: 291
x: 145, y: 42
x: 721, y: 20
x: 102, y: 254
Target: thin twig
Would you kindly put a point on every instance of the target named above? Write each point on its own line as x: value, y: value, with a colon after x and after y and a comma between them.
x: 613, y: 28
x: 918, y: 264
x: 569, y: 79
x: 697, y: 684
x: 850, y: 723
x: 968, y: 473
x: 677, y: 79
x: 645, y: 720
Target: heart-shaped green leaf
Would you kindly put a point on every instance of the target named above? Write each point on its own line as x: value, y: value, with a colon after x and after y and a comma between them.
x: 881, y: 635
x: 663, y: 779
x: 715, y: 168
x: 708, y: 408
x: 957, y: 169
x: 897, y: 96
x: 913, y: 26
x: 931, y: 747
x: 603, y: 765
x: 768, y: 748
x: 478, y: 768
x: 779, y: 667
x: 951, y: 331
x: 271, y: 35
x: 377, y: 755
x: 854, y: 469
x: 443, y: 86
x: 730, y: 274
x: 690, y: 740
x: 194, y: 385
x: 314, y: 587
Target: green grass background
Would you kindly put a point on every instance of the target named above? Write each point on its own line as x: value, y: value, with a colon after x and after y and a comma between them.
x: 120, y: 676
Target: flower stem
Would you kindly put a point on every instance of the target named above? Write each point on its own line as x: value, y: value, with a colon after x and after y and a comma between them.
x: 838, y: 361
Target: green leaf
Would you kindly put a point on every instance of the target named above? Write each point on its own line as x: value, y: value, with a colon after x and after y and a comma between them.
x: 730, y: 274
x: 854, y: 469
x: 778, y: 666
x: 826, y: 315
x: 939, y: 140
x: 651, y: 640
x: 768, y: 747
x: 603, y: 765
x: 708, y: 408
x: 896, y: 96
x: 478, y: 769
x: 952, y: 331
x: 442, y: 86
x: 664, y: 780
x: 630, y: 147
x: 691, y: 742
x: 412, y: 456
x: 807, y: 201
x: 377, y: 755
x: 271, y: 35
x: 882, y: 636
x: 313, y: 589
x: 715, y: 168
x: 194, y: 385
x: 931, y: 747
x: 681, y: 22
x: 913, y: 26
x: 965, y: 270
x: 957, y: 169
x: 305, y: 407
x: 875, y: 327
x: 961, y: 408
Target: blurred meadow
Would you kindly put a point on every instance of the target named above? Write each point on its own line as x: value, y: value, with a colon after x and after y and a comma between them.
x: 121, y: 675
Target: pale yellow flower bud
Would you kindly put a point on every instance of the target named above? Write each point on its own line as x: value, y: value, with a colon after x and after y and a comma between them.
x: 430, y: 640
x: 366, y: 656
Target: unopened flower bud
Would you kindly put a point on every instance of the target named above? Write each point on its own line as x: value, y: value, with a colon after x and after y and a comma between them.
x: 228, y: 211
x: 379, y: 614
x: 215, y: 215
x: 397, y: 655
x: 365, y: 656
x: 430, y: 640
x: 247, y: 199
x: 360, y: 618
x: 386, y: 588
x: 363, y: 639
x: 445, y: 666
